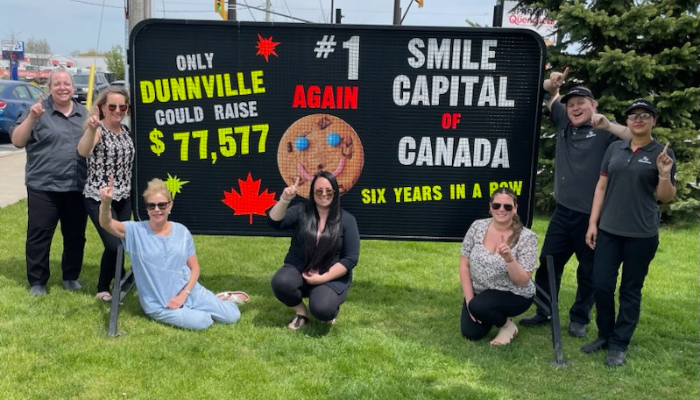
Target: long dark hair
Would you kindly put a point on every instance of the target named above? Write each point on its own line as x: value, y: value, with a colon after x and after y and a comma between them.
x: 517, y: 224
x: 320, y: 256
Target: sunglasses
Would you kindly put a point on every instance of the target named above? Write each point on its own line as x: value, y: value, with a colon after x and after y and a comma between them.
x: 161, y: 206
x: 507, y: 207
x: 321, y: 192
x: 634, y: 117
x: 122, y: 107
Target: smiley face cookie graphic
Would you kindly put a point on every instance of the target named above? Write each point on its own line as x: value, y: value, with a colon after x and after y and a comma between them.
x: 320, y: 142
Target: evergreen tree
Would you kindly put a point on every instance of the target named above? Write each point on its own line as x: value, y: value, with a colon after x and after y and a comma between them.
x: 623, y: 50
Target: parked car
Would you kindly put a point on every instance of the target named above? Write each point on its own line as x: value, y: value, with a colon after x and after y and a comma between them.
x: 80, y: 84
x: 15, y: 97
x: 120, y: 84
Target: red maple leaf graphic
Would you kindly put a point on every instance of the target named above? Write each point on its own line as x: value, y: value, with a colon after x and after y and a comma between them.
x: 266, y: 47
x: 249, y: 202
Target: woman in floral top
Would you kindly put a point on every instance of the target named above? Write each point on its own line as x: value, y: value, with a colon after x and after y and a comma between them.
x: 498, y: 258
x: 110, y: 153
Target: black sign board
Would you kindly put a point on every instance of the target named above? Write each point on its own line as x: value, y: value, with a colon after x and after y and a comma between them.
x: 419, y: 125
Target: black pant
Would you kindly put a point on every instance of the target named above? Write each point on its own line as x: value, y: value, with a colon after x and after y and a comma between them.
x: 121, y: 211
x: 566, y: 236
x: 635, y: 254
x: 492, y: 308
x: 44, y: 211
x: 290, y: 287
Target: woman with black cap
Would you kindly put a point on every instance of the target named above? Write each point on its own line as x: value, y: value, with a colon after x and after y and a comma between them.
x: 624, y: 226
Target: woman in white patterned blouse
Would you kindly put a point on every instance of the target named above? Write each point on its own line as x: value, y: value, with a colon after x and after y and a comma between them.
x: 498, y: 258
x: 109, y: 151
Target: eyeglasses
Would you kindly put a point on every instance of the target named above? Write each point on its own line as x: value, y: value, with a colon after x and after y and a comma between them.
x: 634, y: 117
x: 161, y: 206
x: 122, y: 107
x: 321, y: 192
x: 507, y: 207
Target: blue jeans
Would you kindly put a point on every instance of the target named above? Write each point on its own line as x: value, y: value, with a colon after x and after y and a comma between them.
x: 201, y: 309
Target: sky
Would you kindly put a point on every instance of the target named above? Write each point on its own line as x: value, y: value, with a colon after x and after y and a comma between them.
x: 84, y: 25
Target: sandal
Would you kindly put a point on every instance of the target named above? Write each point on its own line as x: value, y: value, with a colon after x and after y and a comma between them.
x: 237, y: 297
x: 298, y: 321
x: 104, y: 296
x: 505, y: 335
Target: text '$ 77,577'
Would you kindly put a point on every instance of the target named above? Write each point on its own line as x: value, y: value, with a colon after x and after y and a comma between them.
x: 231, y: 141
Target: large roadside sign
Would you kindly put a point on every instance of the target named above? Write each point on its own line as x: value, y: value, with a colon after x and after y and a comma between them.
x: 419, y: 125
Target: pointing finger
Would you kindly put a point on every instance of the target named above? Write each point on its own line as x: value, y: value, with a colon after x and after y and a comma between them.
x: 665, y: 150
x: 565, y: 73
x: 41, y: 98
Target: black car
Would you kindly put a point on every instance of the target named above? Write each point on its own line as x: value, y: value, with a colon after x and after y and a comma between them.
x: 15, y: 97
x: 80, y: 82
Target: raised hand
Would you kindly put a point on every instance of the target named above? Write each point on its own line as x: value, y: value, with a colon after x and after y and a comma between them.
x: 37, y: 109
x: 290, y: 192
x: 504, y: 250
x: 600, y: 121
x: 558, y: 78
x: 664, y: 162
x: 94, y: 120
x: 107, y: 192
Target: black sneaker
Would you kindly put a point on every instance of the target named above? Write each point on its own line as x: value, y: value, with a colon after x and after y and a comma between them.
x: 615, y: 358
x: 596, y: 345
x: 535, y: 320
x: 577, y: 329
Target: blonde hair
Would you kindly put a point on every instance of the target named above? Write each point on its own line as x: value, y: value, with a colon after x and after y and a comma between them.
x: 157, y: 186
x: 56, y: 71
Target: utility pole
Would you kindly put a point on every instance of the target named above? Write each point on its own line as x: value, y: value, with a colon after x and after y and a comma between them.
x: 267, y: 9
x: 232, y: 10
x: 397, y: 12
x: 137, y: 11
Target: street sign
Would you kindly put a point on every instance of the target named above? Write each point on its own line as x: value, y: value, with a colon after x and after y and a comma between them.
x: 419, y: 124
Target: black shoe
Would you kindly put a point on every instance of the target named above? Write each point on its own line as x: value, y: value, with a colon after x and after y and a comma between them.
x: 37, y: 290
x: 615, y: 358
x: 535, y: 320
x: 71, y: 285
x: 596, y: 345
x: 577, y: 329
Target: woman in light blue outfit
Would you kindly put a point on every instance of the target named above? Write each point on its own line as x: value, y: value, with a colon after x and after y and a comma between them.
x: 165, y: 265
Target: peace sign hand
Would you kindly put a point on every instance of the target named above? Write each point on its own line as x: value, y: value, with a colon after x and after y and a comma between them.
x: 290, y: 192
x: 505, y: 251
x: 664, y: 162
x: 37, y: 109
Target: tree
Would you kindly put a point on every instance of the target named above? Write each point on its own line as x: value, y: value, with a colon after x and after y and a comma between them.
x: 628, y: 49
x: 41, y: 50
x: 115, y: 61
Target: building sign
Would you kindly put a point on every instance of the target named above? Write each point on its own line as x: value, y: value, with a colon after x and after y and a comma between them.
x: 523, y: 17
x: 419, y: 125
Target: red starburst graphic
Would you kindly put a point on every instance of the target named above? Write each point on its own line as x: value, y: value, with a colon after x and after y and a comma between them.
x: 248, y: 201
x: 266, y: 47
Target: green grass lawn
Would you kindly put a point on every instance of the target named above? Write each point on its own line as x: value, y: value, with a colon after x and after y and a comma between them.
x: 397, y: 336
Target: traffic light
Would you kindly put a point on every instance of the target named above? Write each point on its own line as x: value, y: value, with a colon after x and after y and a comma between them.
x: 220, y: 8
x: 420, y: 3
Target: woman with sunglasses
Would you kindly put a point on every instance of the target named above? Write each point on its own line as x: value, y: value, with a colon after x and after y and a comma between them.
x: 498, y: 258
x: 165, y: 265
x: 109, y: 151
x: 624, y: 227
x: 324, y: 250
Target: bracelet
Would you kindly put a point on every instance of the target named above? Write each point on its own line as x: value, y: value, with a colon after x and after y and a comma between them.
x: 105, y: 212
x: 664, y: 179
x: 187, y: 291
x: 283, y: 201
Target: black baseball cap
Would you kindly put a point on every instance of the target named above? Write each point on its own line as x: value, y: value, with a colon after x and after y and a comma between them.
x: 643, y: 104
x: 577, y: 91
